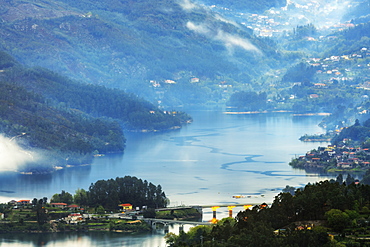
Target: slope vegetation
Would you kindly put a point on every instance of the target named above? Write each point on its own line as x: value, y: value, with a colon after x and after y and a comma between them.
x: 127, y: 43
x: 69, y: 120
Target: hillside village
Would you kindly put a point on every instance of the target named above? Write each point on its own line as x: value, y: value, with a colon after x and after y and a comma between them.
x: 335, y: 158
x: 343, y: 68
x: 304, y: 31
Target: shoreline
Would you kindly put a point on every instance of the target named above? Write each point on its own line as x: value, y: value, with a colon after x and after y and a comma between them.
x: 282, y: 111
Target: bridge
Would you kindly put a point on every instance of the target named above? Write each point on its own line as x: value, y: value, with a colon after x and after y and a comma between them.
x: 252, y: 204
x: 153, y: 222
x: 214, y: 209
x: 200, y: 207
x: 166, y: 223
x: 181, y: 222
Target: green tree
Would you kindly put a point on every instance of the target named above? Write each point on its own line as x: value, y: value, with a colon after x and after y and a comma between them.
x: 64, y: 197
x: 81, y: 197
x: 318, y: 236
x: 100, y: 210
x: 339, y: 179
x: 289, y: 189
x: 41, y: 214
x: 366, y: 178
x: 149, y: 213
x: 337, y: 219
x: 349, y: 179
x: 34, y: 201
x: 110, y: 193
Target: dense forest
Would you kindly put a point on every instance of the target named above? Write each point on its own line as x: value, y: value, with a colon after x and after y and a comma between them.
x: 327, y: 213
x: 70, y: 121
x: 112, y: 192
x: 249, y: 101
x: 357, y: 134
x: 349, y: 40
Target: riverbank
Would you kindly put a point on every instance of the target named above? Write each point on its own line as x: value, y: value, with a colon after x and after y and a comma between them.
x: 124, y: 226
x: 280, y: 111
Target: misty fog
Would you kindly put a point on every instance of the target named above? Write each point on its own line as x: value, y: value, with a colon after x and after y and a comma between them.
x: 12, y: 156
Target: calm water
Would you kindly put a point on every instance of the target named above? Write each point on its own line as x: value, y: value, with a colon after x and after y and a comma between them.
x: 204, y: 163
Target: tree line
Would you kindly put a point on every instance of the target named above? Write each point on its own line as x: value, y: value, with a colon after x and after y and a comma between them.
x: 333, y: 205
x: 112, y: 192
x: 248, y: 100
x: 358, y: 134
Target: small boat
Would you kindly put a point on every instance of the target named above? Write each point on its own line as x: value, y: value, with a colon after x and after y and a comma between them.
x: 238, y: 196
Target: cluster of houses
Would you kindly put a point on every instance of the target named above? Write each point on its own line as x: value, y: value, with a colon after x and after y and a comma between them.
x: 76, y: 212
x: 23, y: 203
x: 271, y: 24
x: 75, y: 215
x: 339, y: 69
x: 157, y: 84
x: 343, y: 158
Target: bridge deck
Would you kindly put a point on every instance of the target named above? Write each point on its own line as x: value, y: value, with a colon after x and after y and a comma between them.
x: 177, y: 221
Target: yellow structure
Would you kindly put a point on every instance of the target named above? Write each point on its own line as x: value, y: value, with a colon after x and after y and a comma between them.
x: 214, y: 219
x: 126, y: 206
x: 230, y: 208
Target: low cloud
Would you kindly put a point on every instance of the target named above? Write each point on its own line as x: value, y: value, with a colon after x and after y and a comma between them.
x: 202, y: 29
x: 187, y: 5
x: 230, y: 41
x: 220, y: 18
x: 12, y: 156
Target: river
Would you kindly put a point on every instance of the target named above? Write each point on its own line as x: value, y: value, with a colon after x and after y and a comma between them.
x: 204, y: 163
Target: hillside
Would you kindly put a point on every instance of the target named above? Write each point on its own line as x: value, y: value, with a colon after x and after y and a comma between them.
x: 126, y: 44
x: 326, y: 213
x: 69, y: 121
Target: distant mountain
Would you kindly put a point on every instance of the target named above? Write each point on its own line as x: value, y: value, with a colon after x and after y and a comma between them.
x: 349, y: 40
x: 125, y: 44
x: 70, y: 121
x: 358, y: 13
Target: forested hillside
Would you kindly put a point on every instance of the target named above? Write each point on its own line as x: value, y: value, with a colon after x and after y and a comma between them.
x: 126, y: 44
x: 70, y: 121
x: 327, y: 213
x: 349, y: 40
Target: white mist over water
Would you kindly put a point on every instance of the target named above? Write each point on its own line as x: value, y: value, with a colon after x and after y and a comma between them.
x: 12, y: 156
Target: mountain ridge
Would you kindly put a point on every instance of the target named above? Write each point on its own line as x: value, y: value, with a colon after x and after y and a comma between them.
x: 124, y: 44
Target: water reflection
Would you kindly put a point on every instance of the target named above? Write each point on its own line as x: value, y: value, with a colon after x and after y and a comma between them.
x: 88, y: 239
